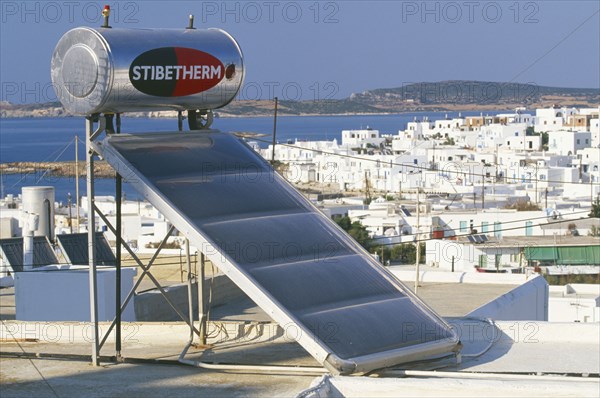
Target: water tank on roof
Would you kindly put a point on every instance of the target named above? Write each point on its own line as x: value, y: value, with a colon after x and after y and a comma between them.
x: 40, y: 201
x: 114, y: 70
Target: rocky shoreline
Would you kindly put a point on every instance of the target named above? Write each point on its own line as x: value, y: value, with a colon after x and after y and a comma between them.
x: 56, y: 169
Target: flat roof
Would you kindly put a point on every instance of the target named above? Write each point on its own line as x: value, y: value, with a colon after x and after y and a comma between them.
x: 526, y: 241
x: 521, y: 348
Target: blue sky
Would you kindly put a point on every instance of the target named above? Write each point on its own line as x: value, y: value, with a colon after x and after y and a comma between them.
x: 326, y: 49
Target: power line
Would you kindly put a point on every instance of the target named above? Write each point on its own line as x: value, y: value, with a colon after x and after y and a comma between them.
x: 415, y: 239
x: 553, y: 47
x: 31, y: 361
x: 496, y: 230
x: 517, y: 221
x: 413, y: 166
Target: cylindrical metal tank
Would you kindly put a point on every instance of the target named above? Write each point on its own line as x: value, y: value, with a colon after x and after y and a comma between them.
x: 125, y: 70
x: 40, y: 201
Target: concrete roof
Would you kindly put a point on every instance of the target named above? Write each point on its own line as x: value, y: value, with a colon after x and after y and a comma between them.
x: 491, y: 350
x: 52, y: 359
x: 526, y: 241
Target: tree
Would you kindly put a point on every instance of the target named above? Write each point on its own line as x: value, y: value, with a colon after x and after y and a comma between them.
x: 356, y: 230
x: 406, y: 253
x: 595, y: 213
x: 449, y: 141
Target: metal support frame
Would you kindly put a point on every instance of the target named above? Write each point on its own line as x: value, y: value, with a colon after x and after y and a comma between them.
x: 202, y: 313
x: 188, y: 263
x: 91, y: 226
x: 119, y: 241
x: 146, y: 271
x: 93, y: 211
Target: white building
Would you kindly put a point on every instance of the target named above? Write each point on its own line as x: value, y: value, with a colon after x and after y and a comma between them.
x: 361, y: 138
x: 523, y: 143
x: 552, y: 119
x: 568, y: 142
x: 497, y: 134
x: 420, y: 129
x: 595, y: 131
x: 518, y: 117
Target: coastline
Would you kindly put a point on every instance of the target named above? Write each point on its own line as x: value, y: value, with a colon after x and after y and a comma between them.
x: 56, y: 169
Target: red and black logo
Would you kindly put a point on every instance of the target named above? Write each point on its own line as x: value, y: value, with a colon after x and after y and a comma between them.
x: 177, y: 72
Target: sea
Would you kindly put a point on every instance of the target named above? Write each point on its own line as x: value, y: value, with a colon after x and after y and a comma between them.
x: 53, y: 139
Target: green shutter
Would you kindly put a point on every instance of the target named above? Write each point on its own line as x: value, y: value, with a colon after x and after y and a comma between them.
x: 565, y: 255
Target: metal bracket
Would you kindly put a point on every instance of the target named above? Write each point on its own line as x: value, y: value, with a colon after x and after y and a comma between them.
x: 146, y: 271
x: 200, y: 119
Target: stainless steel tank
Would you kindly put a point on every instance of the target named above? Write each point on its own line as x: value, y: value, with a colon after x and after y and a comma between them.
x: 125, y: 70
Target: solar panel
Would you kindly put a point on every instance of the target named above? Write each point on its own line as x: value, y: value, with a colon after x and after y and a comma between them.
x: 477, y: 238
x: 470, y: 238
x: 327, y: 292
x: 12, y: 252
x: 75, y: 249
x: 484, y: 238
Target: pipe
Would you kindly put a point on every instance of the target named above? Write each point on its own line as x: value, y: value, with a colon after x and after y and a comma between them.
x: 190, y: 22
x: 202, y: 316
x: 30, y: 224
x: 491, y: 343
x: 465, y: 375
x: 189, y: 288
x: 303, y: 370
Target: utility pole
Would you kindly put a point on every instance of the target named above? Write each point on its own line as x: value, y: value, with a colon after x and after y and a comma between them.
x: 417, y: 242
x: 70, y: 215
x: 483, y: 192
x: 274, y: 132
x: 77, y: 181
x: 496, y: 172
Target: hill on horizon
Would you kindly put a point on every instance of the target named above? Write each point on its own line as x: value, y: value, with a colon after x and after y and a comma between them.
x: 450, y: 95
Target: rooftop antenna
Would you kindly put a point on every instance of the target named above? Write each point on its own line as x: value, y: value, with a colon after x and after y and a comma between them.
x: 106, y: 14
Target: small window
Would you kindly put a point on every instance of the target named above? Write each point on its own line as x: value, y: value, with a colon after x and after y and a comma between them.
x: 482, y: 261
x: 528, y: 228
x: 578, y: 141
x: 484, y: 226
x: 498, y: 229
x: 463, y: 226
